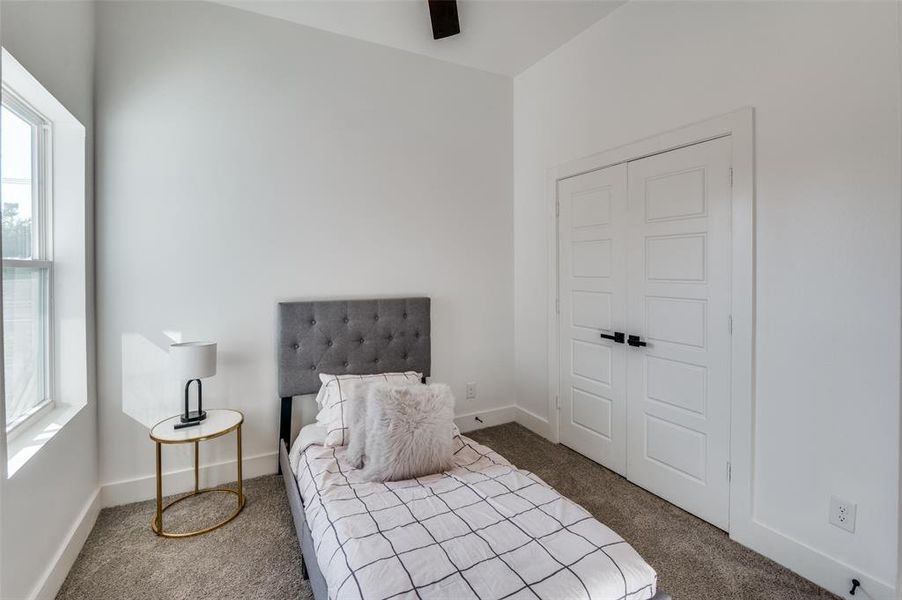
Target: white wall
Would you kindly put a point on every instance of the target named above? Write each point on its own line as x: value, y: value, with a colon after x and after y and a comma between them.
x: 824, y: 81
x: 899, y: 552
x: 244, y: 160
x: 51, y: 500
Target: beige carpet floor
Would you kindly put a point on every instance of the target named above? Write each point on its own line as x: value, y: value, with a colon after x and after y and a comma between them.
x: 694, y: 560
x: 256, y: 556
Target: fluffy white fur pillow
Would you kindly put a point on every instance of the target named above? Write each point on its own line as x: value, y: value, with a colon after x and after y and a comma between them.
x: 401, y: 432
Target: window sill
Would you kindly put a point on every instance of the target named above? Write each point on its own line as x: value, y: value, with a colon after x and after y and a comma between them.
x: 32, y: 416
x: 31, y: 437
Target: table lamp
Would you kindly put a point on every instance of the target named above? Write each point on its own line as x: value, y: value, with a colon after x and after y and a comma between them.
x: 193, y: 361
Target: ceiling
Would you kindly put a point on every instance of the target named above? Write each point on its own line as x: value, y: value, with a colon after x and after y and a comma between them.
x: 501, y: 36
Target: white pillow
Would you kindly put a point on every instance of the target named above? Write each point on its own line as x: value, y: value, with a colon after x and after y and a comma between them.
x: 339, y: 389
x: 402, y: 432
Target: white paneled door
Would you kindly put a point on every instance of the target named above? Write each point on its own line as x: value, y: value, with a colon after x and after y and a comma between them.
x: 593, y: 233
x: 679, y: 304
x: 672, y: 378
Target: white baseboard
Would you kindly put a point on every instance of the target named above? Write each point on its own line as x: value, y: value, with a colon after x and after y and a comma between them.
x: 55, y: 574
x: 824, y: 570
x: 485, y: 418
x: 182, y: 480
x: 533, y: 422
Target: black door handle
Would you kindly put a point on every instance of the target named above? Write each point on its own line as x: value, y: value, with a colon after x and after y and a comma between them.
x: 635, y: 342
x: 617, y: 337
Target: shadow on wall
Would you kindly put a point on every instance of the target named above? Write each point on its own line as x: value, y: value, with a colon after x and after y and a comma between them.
x: 149, y: 389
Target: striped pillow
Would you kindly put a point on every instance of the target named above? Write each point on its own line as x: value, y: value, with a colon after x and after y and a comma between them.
x: 339, y: 389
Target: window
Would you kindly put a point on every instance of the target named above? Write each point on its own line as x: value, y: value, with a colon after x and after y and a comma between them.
x: 45, y: 264
x: 27, y: 266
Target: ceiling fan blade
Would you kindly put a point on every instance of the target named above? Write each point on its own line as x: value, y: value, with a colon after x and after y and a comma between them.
x: 445, y: 22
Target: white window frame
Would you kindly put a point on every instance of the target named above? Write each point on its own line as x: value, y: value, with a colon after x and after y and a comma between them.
x: 70, y: 348
x: 42, y: 246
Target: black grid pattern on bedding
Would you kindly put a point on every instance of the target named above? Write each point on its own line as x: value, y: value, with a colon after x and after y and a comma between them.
x: 481, y: 530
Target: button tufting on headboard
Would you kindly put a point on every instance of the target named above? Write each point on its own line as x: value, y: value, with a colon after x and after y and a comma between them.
x: 350, y: 336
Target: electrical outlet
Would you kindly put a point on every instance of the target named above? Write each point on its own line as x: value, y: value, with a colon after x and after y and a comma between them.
x: 842, y: 514
x: 471, y: 390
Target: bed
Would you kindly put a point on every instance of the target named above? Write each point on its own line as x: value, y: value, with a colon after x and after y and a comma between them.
x: 483, y: 529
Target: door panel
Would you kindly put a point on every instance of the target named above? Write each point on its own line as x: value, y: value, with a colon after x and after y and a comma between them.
x: 680, y: 321
x: 675, y: 196
x: 592, y: 231
x: 676, y: 383
x: 678, y: 291
x: 592, y: 310
x: 591, y: 258
x: 592, y: 412
x: 677, y: 258
x: 591, y: 361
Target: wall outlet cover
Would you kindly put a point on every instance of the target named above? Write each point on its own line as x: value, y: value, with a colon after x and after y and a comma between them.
x: 471, y: 390
x: 842, y: 513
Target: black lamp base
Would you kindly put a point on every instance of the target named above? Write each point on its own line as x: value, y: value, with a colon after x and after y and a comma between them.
x: 195, y: 417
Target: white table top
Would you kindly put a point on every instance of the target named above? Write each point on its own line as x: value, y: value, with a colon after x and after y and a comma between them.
x: 218, y: 422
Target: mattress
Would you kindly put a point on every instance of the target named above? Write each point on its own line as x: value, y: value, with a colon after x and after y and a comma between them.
x: 483, y: 529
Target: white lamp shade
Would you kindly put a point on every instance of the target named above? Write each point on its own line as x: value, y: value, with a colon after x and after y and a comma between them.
x: 193, y: 360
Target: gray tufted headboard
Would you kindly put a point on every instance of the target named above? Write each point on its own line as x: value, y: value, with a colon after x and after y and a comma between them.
x: 348, y: 336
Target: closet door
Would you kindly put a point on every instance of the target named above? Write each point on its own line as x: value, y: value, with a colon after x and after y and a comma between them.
x: 592, y: 227
x: 679, y: 269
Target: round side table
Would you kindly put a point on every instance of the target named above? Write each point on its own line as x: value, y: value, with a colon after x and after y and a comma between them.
x: 219, y: 422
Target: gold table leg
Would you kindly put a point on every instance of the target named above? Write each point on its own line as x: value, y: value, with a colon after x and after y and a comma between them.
x: 157, y: 524
x: 196, y: 467
x: 158, y: 518
x: 240, y: 482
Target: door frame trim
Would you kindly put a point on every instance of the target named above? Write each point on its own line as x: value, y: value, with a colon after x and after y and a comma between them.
x: 740, y: 125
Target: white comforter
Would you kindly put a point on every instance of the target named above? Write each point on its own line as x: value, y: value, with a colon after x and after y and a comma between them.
x: 481, y: 530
